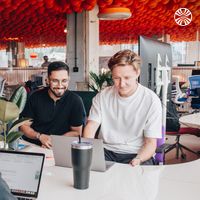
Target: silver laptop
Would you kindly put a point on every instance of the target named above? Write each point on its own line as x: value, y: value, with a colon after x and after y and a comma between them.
x: 62, y: 152
x: 22, y: 172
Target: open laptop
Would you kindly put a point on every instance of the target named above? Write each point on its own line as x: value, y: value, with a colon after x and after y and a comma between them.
x: 22, y: 172
x: 62, y: 152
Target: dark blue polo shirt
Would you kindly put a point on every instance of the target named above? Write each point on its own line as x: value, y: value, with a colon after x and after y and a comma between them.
x: 54, y: 118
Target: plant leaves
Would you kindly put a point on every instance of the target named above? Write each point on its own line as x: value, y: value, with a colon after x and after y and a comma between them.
x: 1, y: 128
x: 18, y: 123
x: 12, y: 136
x: 93, y: 88
x: 1, y: 138
x: 99, y: 81
x: 19, y: 97
x: 8, y: 111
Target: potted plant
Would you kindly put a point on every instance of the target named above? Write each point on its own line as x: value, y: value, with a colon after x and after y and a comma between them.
x: 100, y: 81
x: 9, y: 122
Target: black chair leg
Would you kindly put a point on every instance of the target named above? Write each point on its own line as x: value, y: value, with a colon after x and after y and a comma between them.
x: 180, y: 147
x: 177, y: 151
x: 170, y: 148
x: 183, y: 155
x: 184, y: 147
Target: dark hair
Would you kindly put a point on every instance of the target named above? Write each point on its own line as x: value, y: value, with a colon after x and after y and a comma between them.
x: 57, y: 66
x: 125, y: 57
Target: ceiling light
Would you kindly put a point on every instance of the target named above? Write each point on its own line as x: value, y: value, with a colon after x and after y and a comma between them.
x: 114, y: 13
x: 65, y: 30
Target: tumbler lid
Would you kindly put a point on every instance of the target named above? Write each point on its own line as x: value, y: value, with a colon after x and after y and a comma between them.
x: 81, y: 145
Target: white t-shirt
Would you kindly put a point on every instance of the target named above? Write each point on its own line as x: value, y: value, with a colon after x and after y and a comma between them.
x: 125, y: 121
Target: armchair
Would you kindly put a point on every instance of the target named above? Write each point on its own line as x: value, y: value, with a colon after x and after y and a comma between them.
x: 87, y: 97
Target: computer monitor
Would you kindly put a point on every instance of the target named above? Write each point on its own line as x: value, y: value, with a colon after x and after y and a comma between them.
x: 149, y: 51
x: 195, y: 90
x: 196, y: 72
x: 194, y: 82
x: 39, y: 79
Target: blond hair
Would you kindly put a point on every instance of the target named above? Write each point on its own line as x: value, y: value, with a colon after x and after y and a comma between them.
x: 125, y: 57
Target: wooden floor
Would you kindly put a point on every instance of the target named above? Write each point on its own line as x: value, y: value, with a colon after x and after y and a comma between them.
x: 189, y: 141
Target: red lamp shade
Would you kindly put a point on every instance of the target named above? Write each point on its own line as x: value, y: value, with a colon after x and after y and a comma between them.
x: 33, y: 55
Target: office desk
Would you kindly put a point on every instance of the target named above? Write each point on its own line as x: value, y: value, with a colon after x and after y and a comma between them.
x: 192, y: 120
x: 123, y: 182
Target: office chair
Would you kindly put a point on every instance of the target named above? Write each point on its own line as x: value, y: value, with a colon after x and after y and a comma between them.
x: 174, y: 128
x: 178, y: 97
x: 2, y: 86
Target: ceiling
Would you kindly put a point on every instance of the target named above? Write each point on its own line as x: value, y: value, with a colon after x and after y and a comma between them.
x: 41, y: 22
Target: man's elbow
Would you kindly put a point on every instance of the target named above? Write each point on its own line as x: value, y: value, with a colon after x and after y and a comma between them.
x: 87, y: 132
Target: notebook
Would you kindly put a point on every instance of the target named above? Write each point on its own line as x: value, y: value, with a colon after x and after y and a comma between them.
x: 61, y: 146
x: 22, y: 172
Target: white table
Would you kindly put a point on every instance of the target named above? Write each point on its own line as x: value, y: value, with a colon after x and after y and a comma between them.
x: 192, y: 120
x: 123, y: 182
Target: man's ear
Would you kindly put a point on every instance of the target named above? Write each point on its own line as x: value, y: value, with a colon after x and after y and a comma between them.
x: 138, y: 73
x: 47, y: 80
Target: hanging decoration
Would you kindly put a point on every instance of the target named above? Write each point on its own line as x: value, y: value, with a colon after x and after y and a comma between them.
x: 35, y: 22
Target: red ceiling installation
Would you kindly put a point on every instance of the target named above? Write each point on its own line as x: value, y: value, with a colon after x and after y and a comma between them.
x: 38, y: 22
x: 151, y: 18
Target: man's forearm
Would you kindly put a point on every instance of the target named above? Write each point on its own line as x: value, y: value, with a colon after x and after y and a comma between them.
x: 29, y: 132
x: 90, y: 129
x: 147, y: 150
x: 72, y: 134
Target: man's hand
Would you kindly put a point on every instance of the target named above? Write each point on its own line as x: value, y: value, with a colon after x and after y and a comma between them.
x: 46, y: 141
x: 135, y: 162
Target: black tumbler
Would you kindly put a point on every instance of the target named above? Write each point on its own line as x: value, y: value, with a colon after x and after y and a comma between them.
x: 81, y: 163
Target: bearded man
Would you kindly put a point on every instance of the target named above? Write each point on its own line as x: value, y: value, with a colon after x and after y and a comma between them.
x: 55, y: 110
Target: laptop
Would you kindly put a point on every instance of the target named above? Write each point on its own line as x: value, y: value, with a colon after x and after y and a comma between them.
x: 61, y: 146
x: 22, y: 172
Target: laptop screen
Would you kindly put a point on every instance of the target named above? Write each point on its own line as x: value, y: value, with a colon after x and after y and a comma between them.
x: 22, y: 172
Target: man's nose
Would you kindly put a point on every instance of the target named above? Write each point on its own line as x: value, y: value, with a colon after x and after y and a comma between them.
x: 122, y: 83
x: 60, y: 83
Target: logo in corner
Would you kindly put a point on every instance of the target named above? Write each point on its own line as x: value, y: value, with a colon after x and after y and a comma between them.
x: 183, y: 16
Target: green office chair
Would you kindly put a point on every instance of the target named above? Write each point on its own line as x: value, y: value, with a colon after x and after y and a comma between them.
x: 87, y: 97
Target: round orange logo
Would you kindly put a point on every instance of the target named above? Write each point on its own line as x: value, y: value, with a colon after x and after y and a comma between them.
x: 183, y: 16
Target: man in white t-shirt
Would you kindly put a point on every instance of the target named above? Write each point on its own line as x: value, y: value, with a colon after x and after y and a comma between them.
x: 130, y: 114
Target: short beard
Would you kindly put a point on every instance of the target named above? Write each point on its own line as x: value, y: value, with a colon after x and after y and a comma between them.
x: 57, y: 95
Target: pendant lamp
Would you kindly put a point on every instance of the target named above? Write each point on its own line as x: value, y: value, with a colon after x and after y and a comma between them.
x: 114, y: 13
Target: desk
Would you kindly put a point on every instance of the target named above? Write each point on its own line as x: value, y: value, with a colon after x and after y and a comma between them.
x: 123, y: 182
x: 192, y: 120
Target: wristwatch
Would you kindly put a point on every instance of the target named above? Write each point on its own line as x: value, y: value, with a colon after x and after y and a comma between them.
x: 38, y: 136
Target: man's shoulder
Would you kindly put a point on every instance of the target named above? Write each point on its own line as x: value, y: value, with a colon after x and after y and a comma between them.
x: 149, y: 95
x: 107, y: 91
x: 148, y: 91
x: 39, y: 93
